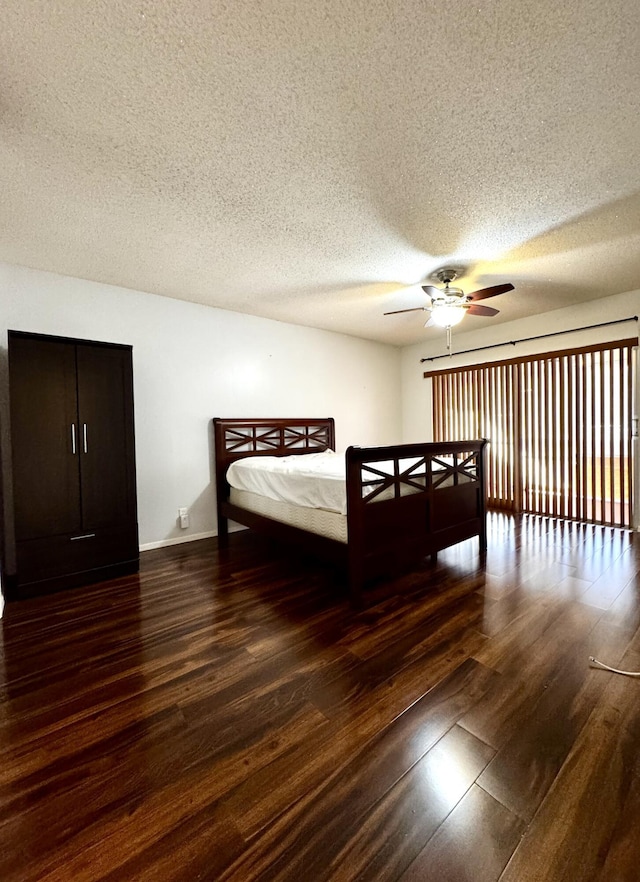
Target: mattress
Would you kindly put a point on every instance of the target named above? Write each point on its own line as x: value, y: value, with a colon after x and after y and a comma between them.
x: 315, y: 480
x: 313, y: 520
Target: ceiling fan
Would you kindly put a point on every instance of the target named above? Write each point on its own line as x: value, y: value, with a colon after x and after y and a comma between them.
x: 449, y: 306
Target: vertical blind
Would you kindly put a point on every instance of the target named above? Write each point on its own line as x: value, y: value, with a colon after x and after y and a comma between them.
x: 559, y: 427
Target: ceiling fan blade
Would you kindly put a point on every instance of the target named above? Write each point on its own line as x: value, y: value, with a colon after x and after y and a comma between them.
x: 477, y: 309
x: 431, y: 292
x: 493, y: 291
x: 413, y: 309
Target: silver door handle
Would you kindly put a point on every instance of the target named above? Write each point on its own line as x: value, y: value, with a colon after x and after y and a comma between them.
x: 73, y: 438
x: 84, y: 437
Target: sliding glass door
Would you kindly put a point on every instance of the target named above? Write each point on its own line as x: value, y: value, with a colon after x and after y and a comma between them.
x: 560, y: 427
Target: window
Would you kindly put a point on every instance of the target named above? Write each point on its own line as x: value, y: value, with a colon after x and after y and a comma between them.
x: 559, y: 427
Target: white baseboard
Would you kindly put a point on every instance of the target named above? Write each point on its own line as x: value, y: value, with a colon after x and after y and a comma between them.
x: 179, y: 540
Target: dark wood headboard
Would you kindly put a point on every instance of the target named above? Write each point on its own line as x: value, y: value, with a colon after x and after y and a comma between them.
x: 235, y: 438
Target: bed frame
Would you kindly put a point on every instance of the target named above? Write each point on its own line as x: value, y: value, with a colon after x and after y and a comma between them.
x: 447, y: 504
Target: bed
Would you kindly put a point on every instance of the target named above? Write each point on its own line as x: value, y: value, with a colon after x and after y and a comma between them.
x: 401, y: 502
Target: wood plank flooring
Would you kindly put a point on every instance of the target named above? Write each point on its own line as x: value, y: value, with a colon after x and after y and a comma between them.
x: 228, y: 716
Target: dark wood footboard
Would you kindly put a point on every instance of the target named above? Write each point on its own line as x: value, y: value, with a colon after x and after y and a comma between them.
x: 411, y: 500
x: 403, y: 501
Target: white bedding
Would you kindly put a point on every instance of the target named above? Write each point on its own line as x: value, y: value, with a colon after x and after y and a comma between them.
x: 315, y: 480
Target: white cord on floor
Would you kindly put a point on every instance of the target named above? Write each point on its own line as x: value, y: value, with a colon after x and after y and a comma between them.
x: 598, y: 664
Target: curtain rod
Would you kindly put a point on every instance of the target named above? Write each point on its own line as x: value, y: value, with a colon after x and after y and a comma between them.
x: 633, y: 318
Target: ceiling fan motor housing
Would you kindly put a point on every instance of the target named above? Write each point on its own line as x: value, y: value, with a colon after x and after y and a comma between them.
x: 450, y: 296
x: 453, y: 295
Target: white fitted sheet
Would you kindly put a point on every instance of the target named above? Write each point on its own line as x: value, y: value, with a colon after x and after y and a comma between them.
x: 315, y: 480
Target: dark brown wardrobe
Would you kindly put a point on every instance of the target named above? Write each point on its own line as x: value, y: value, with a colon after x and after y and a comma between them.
x: 72, y: 440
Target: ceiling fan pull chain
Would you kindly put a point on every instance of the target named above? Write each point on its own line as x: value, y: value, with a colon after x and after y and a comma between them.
x: 449, y: 341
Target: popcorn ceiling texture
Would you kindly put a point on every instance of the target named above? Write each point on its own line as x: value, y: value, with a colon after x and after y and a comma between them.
x: 311, y: 162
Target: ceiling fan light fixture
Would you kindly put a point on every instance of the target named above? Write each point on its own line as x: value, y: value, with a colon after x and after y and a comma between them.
x: 446, y: 315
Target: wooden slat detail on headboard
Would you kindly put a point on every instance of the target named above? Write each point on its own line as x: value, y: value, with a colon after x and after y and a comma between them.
x: 241, y: 437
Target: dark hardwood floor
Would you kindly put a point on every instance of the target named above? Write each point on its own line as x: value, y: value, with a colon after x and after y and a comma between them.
x: 229, y: 717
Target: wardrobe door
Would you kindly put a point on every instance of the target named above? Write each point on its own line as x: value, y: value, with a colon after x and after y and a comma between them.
x: 106, y: 441
x: 45, y: 440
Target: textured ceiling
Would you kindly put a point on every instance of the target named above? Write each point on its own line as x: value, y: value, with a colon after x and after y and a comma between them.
x: 310, y: 162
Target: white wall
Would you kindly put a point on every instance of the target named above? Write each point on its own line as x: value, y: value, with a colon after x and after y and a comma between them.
x: 416, y: 391
x: 192, y: 363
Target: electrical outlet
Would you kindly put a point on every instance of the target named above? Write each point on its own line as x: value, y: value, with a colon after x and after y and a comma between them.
x: 183, y: 517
